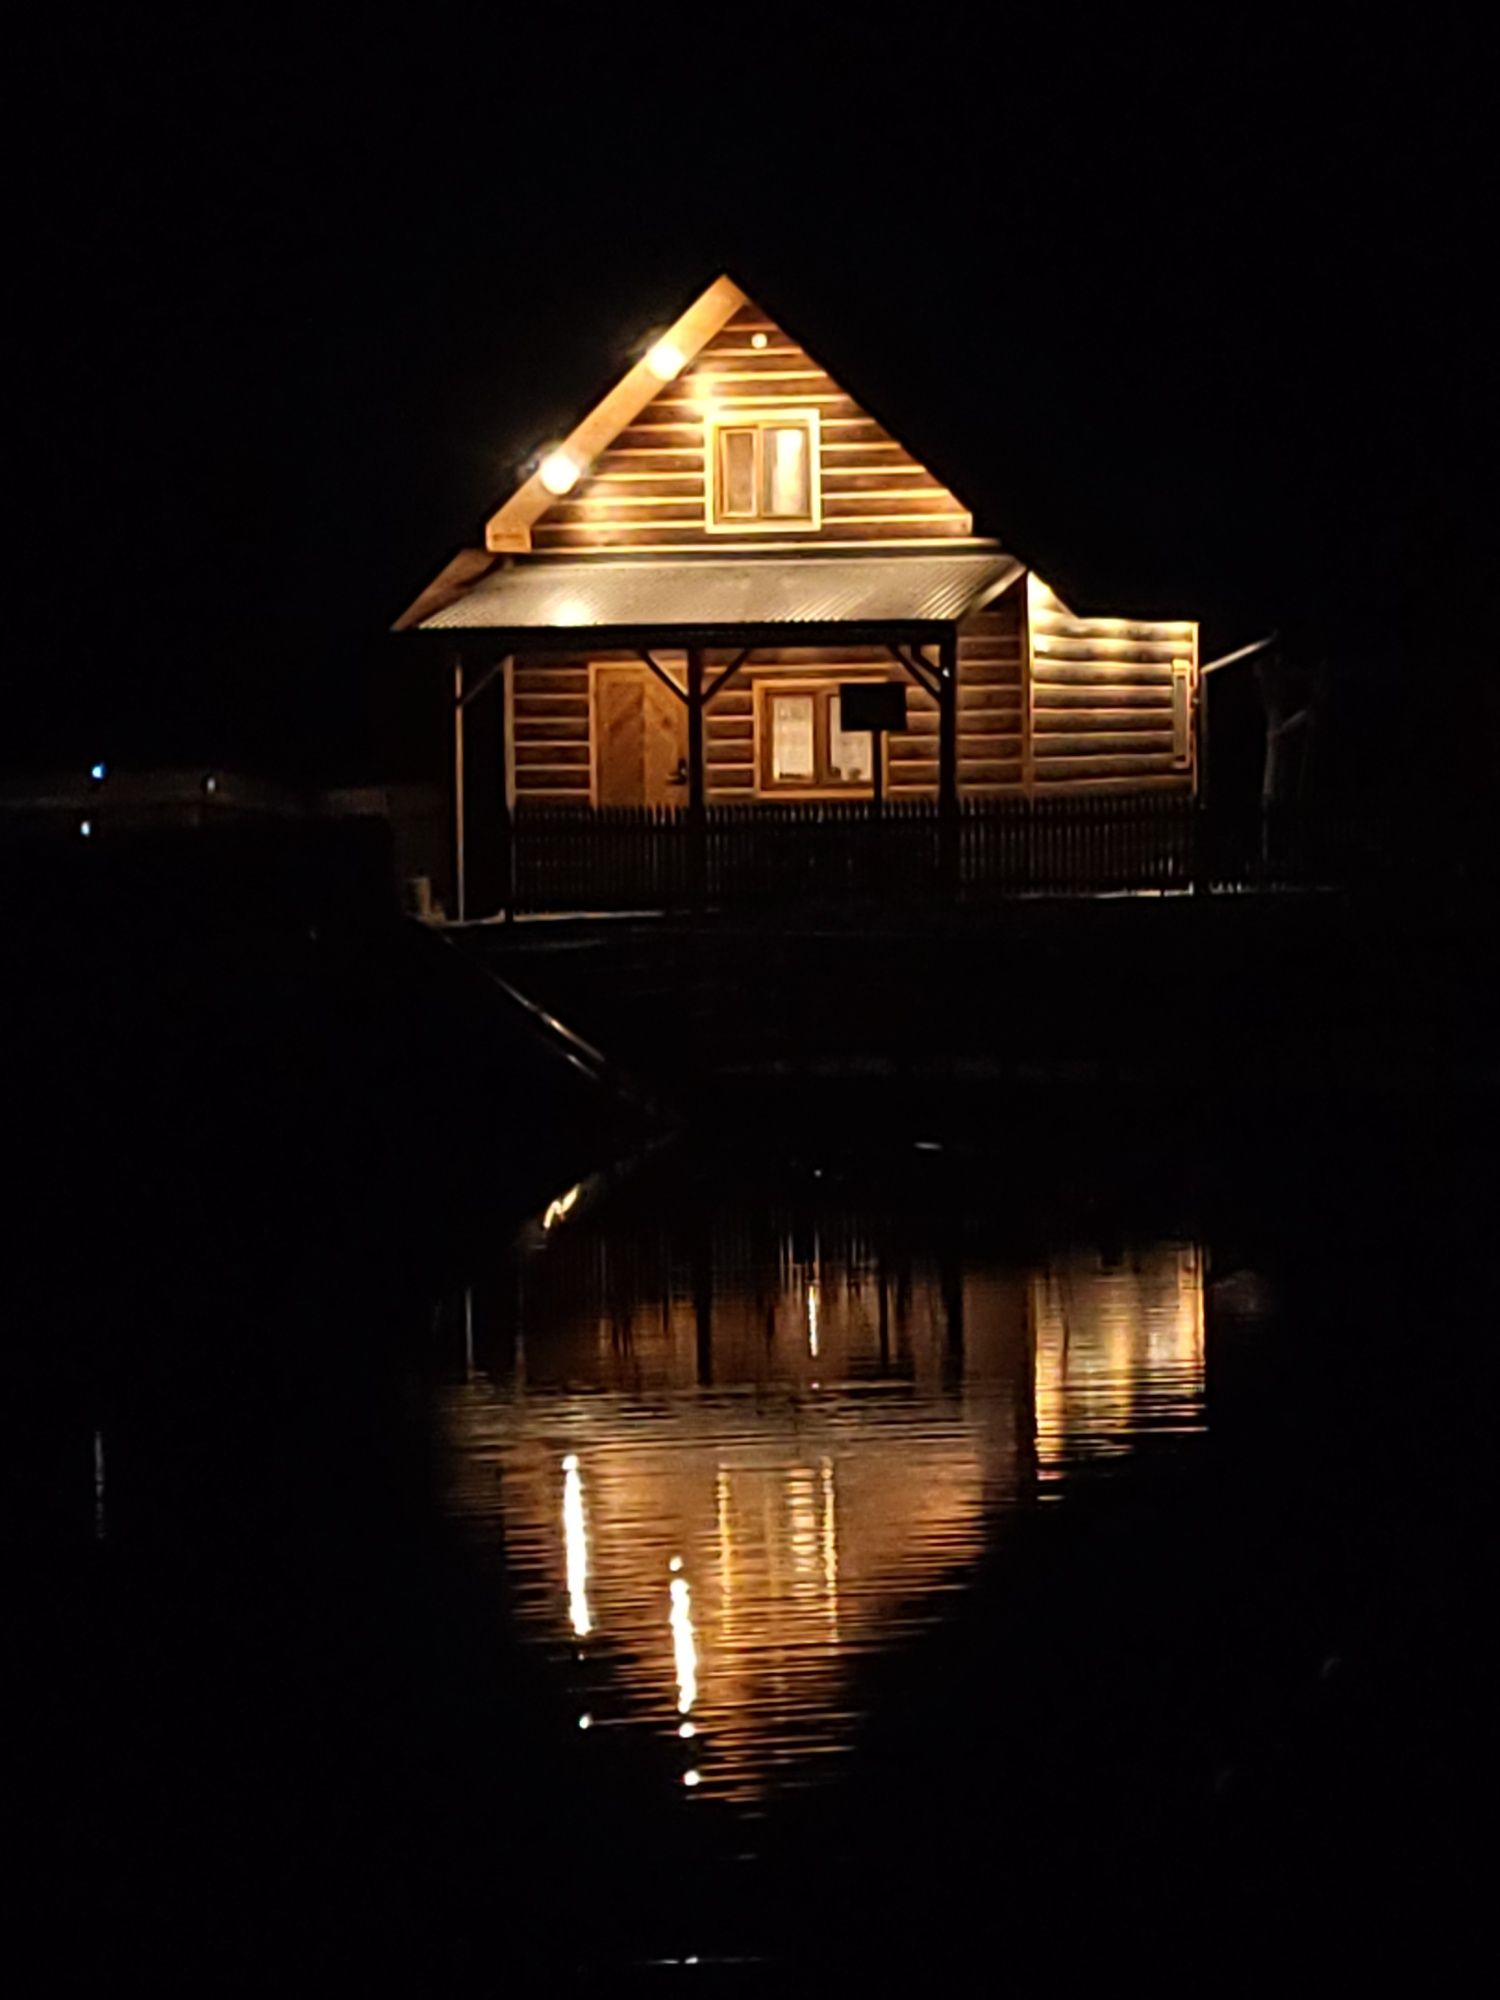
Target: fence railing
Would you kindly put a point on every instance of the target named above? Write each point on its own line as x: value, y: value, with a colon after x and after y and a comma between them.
x: 835, y: 853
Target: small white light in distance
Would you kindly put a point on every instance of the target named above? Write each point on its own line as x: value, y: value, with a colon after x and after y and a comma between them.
x: 691, y: 1778
x: 558, y: 472
x: 585, y: 1722
x: 666, y: 361
x: 98, y: 772
x: 675, y: 1564
x: 687, y: 1731
x: 85, y: 827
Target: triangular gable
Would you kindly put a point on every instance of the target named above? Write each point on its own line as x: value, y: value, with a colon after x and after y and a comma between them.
x: 633, y: 471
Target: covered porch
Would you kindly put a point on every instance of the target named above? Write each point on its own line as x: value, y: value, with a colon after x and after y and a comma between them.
x: 687, y: 732
x: 661, y: 699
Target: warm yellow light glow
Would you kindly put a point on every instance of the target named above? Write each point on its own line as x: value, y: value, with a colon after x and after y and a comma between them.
x: 576, y: 1537
x: 812, y: 1319
x: 554, y: 1212
x: 691, y: 1778
x: 558, y: 472
x: 687, y: 1731
x: 757, y: 340
x: 675, y: 1564
x: 684, y: 1646
x: 666, y: 360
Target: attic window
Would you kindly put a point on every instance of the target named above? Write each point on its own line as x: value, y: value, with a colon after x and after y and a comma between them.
x: 762, y: 470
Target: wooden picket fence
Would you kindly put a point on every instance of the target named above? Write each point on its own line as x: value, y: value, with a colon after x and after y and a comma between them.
x: 836, y: 853
x: 832, y: 854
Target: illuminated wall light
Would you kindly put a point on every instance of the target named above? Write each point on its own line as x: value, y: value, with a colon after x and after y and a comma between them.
x: 757, y: 340
x: 687, y: 1731
x: 558, y: 472
x: 692, y: 1779
x: 585, y: 1722
x: 666, y: 361
x: 86, y: 828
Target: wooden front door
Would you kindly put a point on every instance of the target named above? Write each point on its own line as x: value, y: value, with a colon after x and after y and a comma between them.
x: 640, y: 740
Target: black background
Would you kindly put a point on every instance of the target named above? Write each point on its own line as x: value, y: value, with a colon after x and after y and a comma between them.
x: 1188, y: 306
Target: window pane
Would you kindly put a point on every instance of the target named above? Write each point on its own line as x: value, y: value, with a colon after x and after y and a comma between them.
x: 793, y: 751
x: 787, y: 472
x: 851, y: 755
x: 737, y: 473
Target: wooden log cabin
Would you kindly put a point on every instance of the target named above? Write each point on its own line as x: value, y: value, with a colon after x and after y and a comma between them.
x: 669, y: 604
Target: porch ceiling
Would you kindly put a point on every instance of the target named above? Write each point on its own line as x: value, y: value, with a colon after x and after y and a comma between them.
x: 732, y: 597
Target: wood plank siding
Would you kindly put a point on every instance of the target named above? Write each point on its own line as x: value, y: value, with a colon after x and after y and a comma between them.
x: 648, y: 488
x: 1112, y: 700
x: 554, y: 718
x: 1047, y: 703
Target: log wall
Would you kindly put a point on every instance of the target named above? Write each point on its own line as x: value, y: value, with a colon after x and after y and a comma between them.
x: 647, y: 490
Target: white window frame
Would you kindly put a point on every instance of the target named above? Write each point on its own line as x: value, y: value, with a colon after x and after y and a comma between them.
x: 761, y: 416
x: 826, y: 688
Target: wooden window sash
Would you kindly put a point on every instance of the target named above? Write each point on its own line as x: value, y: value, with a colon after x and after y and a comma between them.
x: 823, y: 783
x: 720, y: 427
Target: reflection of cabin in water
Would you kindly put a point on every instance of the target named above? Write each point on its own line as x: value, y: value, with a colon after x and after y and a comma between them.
x: 732, y: 1456
x: 668, y: 609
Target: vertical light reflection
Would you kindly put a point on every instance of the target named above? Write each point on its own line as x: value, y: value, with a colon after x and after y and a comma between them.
x: 576, y: 1539
x: 812, y: 1317
x: 684, y: 1646
x: 99, y: 1486
x: 726, y: 1549
x: 830, y: 1550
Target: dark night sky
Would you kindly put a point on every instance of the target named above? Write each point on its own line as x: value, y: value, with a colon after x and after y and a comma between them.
x: 1191, y: 313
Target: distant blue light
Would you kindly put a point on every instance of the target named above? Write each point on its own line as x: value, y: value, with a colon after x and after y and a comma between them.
x: 85, y: 827
x: 98, y: 772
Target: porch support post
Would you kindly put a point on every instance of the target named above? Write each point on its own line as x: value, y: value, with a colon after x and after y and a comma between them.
x: 697, y: 816
x: 458, y: 786
x: 948, y: 724
x: 947, y: 693
x: 507, y: 776
x: 696, y: 705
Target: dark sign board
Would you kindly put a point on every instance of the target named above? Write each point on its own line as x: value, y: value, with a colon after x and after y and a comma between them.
x: 879, y: 706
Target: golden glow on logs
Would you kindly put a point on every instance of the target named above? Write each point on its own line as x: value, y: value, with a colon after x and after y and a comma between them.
x: 684, y: 1645
x: 576, y: 1541
x: 558, y: 472
x: 666, y: 361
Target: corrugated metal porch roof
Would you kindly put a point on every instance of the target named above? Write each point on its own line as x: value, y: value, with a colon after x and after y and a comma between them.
x: 697, y: 593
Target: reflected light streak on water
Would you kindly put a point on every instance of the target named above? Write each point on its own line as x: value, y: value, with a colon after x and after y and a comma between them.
x: 819, y: 1527
x: 575, y: 1531
x: 684, y: 1647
